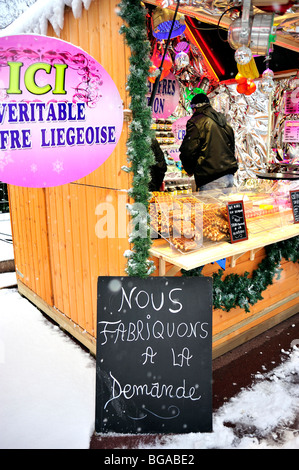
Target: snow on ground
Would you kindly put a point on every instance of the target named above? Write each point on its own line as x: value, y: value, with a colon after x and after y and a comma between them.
x: 47, y: 393
x: 47, y: 381
x: 8, y: 280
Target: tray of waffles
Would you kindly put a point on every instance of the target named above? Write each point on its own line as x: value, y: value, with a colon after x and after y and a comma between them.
x: 186, y: 222
x: 178, y: 221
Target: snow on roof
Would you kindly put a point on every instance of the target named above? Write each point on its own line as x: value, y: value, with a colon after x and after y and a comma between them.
x: 35, y: 19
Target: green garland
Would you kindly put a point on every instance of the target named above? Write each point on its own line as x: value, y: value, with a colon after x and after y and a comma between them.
x: 243, y: 291
x: 139, y: 153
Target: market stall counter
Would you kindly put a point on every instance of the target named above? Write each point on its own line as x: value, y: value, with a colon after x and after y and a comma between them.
x: 210, y: 254
x: 209, y: 248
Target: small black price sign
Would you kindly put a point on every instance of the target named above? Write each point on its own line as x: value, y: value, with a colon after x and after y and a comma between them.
x: 294, y: 195
x: 237, y: 222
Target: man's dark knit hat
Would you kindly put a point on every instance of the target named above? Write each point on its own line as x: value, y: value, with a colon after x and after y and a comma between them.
x: 198, y: 100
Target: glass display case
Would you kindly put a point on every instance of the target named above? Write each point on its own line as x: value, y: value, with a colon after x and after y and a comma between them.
x: 189, y: 222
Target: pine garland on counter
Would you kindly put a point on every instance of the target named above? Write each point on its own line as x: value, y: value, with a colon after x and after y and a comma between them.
x: 241, y: 291
x: 139, y: 153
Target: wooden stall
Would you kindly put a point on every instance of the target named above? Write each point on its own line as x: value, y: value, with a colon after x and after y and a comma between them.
x: 59, y: 251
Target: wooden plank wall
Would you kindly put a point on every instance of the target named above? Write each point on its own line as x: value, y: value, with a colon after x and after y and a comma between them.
x: 79, y: 254
x: 30, y: 237
x: 59, y: 248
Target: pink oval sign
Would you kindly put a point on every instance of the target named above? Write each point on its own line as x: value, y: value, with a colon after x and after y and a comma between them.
x: 61, y: 114
x: 167, y: 97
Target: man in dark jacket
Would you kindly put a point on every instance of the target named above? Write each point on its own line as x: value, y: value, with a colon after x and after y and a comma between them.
x: 159, y: 169
x: 208, y: 148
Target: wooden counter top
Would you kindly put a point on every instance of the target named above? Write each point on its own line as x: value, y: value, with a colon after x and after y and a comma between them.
x: 215, y: 251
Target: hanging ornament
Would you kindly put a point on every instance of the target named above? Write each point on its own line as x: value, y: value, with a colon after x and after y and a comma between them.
x: 246, y: 87
x: 153, y: 73
x: 241, y: 88
x: 268, y: 73
x: 249, y: 70
x: 240, y: 79
x: 181, y: 60
x: 167, y: 64
x: 251, y: 87
x: 157, y: 59
x: 243, y: 55
x: 182, y: 46
x: 266, y: 86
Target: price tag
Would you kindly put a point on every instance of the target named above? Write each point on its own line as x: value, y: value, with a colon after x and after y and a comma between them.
x: 291, y: 131
x: 292, y: 102
x: 237, y: 221
x: 294, y: 195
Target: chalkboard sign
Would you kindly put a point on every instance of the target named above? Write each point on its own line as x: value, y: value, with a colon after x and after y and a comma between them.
x: 237, y: 222
x: 154, y: 355
x: 295, y: 205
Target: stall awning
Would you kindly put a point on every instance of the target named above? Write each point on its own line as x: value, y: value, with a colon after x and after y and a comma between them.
x: 210, y: 12
x: 208, y: 23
